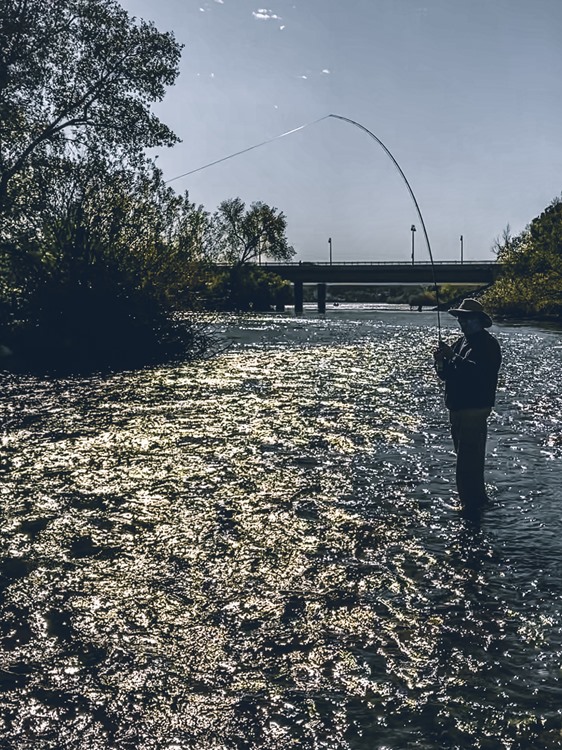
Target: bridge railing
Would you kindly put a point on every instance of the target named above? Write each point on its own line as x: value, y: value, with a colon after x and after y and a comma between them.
x: 380, y: 263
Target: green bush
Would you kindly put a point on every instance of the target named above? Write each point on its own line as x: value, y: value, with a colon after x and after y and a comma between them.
x: 248, y: 287
x: 96, y: 323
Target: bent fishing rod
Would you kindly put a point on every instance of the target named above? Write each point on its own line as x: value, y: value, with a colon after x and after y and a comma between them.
x: 387, y: 152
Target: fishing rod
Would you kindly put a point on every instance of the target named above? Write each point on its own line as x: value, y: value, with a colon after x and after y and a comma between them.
x: 387, y: 152
x: 416, y: 204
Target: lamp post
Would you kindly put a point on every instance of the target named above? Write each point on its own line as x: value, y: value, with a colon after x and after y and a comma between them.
x: 462, y: 250
x: 412, y: 230
x: 330, y: 244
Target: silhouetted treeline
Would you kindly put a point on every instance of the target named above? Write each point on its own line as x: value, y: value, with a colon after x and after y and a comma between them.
x: 97, y: 253
x: 531, y: 285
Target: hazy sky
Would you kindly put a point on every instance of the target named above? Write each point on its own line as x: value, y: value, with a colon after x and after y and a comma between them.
x: 465, y: 93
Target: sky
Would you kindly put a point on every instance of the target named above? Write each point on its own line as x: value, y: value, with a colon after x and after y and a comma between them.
x: 466, y: 95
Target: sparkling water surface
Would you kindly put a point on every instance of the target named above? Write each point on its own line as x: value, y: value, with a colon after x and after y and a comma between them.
x: 265, y: 550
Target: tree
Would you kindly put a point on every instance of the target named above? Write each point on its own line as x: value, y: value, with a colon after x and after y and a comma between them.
x: 90, y: 236
x: 502, y: 243
x: 243, y: 236
x: 531, y: 284
x: 240, y: 238
x: 545, y: 233
x: 104, y: 266
x: 76, y: 76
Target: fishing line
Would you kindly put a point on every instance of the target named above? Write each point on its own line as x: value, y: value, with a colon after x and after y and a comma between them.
x: 387, y: 152
x: 245, y: 150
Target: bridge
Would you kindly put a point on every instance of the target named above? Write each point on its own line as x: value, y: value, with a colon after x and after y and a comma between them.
x: 382, y: 273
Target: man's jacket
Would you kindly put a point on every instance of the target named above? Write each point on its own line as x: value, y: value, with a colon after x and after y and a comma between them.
x: 471, y: 376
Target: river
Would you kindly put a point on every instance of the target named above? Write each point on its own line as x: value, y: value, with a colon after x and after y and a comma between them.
x: 264, y: 549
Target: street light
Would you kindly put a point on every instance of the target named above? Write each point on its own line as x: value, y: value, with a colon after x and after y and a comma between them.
x: 412, y: 230
x: 330, y: 244
x: 461, y: 249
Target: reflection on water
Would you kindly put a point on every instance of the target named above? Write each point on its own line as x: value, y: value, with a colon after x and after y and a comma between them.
x: 264, y: 550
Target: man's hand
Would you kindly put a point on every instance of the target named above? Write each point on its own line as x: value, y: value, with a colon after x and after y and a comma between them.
x: 442, y: 352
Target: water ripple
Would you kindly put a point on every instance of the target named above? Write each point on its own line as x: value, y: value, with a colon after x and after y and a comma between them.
x: 264, y: 550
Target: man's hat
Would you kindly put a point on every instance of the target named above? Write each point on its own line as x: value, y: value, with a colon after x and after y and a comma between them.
x: 472, y: 306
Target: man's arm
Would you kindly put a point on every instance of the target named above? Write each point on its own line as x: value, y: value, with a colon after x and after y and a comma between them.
x: 481, y: 358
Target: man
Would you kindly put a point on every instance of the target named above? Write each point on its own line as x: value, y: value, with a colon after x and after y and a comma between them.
x: 470, y: 371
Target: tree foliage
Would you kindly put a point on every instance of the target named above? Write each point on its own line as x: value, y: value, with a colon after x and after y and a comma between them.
x: 97, y: 253
x: 248, y: 287
x: 110, y: 255
x: 532, y: 281
x: 94, y: 247
x: 242, y: 236
x: 78, y: 75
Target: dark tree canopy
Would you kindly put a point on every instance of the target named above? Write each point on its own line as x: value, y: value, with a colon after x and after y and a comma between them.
x: 244, y: 236
x: 546, y: 235
x: 78, y: 75
x: 532, y: 280
x: 96, y: 251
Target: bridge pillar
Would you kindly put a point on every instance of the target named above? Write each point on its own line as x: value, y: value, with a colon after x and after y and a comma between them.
x: 321, y: 298
x: 299, y: 297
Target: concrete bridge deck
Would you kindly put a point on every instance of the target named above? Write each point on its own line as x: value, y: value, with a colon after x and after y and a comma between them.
x: 477, y: 272
x: 388, y: 272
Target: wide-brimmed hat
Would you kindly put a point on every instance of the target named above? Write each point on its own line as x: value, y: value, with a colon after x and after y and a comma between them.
x: 472, y: 306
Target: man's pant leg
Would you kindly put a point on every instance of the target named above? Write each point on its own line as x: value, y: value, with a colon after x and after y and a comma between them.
x: 469, y: 431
